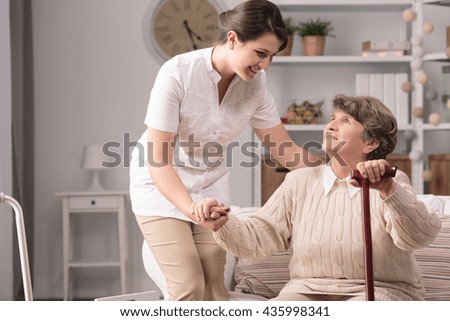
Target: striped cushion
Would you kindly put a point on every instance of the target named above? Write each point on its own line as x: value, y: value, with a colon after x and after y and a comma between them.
x: 265, y: 277
x: 434, y: 262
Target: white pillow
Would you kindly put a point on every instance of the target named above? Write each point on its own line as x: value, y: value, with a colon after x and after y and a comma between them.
x: 228, y: 274
x: 446, y: 210
x: 153, y: 270
x: 237, y: 210
x: 432, y: 202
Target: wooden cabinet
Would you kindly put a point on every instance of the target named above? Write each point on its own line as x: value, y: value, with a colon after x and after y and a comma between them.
x: 272, y: 175
x: 402, y: 162
x: 440, y: 168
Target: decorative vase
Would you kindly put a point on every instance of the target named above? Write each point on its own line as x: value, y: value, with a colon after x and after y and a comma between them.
x: 288, y: 49
x: 313, y: 45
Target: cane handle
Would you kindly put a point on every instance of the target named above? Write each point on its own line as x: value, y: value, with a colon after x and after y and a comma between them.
x: 390, y: 171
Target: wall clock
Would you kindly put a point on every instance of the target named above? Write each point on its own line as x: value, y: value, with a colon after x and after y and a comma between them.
x: 177, y: 26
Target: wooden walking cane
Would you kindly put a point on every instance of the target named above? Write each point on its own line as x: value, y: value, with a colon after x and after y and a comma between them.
x: 367, y: 231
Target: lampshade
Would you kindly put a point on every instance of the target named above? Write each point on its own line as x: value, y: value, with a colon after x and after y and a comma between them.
x: 93, y: 157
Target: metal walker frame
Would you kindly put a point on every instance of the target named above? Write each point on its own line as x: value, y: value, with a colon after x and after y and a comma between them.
x: 22, y: 240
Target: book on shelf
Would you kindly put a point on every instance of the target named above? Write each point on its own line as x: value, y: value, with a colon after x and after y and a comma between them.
x: 388, y: 88
x: 389, y: 92
x: 376, y: 86
x: 385, y: 45
x: 401, y: 101
x: 362, y: 84
x: 383, y: 53
x: 448, y: 37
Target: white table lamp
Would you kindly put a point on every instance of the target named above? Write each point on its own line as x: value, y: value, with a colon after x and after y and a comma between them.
x: 93, y: 158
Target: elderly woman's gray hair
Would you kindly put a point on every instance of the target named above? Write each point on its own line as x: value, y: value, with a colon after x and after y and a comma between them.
x: 378, y: 121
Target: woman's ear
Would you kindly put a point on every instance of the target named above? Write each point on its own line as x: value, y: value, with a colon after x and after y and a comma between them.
x: 370, y: 145
x: 232, y: 39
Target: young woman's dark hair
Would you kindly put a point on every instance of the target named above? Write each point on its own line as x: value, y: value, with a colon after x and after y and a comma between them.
x: 252, y: 19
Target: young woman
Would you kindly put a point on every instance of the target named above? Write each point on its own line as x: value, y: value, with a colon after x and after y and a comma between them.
x: 317, y: 211
x: 200, y: 102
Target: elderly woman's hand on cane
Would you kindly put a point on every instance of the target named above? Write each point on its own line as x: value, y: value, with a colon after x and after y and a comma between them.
x: 378, y: 174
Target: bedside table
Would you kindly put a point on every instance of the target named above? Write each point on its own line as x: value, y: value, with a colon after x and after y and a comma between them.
x: 93, y: 202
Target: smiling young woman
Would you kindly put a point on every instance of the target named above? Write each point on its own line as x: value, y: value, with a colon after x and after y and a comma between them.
x: 202, y: 97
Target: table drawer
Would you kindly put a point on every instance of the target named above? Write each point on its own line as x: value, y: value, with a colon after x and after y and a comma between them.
x: 88, y: 202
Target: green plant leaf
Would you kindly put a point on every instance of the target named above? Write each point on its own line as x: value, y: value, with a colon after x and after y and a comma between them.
x: 290, y: 27
x: 315, y: 27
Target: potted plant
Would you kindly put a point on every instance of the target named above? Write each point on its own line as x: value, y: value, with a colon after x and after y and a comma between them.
x: 313, y: 33
x: 291, y: 29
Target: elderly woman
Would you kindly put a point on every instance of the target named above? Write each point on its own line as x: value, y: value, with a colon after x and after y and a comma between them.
x: 317, y: 211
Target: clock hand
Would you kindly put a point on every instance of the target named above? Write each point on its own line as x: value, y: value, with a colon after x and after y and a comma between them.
x: 191, y: 34
x: 186, y: 24
x: 189, y: 31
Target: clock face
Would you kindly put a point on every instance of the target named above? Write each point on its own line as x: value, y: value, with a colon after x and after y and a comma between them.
x: 183, y: 25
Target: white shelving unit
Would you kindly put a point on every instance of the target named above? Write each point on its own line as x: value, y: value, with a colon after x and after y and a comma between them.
x: 430, y: 127
x: 416, y: 97
x: 339, y: 59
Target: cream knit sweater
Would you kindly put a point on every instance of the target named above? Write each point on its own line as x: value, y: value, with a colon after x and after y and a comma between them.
x: 325, y: 231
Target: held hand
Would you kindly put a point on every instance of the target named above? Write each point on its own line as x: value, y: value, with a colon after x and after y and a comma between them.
x: 373, y: 171
x: 204, y: 209
x: 214, y: 224
x: 218, y: 211
x: 215, y: 215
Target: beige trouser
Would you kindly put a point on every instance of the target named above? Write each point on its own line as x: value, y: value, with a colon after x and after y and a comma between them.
x: 189, y: 257
x: 316, y: 297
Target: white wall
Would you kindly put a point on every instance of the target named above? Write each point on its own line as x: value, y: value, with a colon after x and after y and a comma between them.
x: 6, y: 216
x: 93, y: 74
x: 92, y: 79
